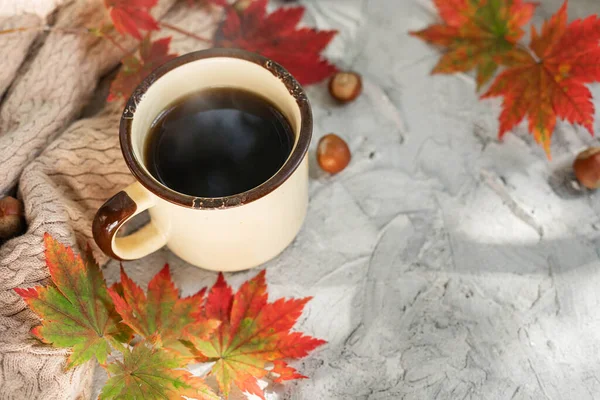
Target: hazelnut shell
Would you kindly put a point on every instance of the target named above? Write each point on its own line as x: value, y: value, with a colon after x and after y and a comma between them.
x: 345, y: 86
x: 12, y: 222
x: 587, y: 167
x: 333, y: 154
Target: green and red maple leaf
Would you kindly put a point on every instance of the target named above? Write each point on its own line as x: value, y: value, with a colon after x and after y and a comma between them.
x: 241, y: 333
x: 477, y: 34
x: 252, y: 333
x: 543, y: 82
x: 77, y: 311
x: 147, y: 372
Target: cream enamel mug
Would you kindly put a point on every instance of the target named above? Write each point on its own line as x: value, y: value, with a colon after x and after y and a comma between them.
x: 224, y: 233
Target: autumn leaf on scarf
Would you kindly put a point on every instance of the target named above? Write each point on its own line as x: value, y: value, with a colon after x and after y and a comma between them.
x: 77, y: 312
x: 161, y: 316
x: 549, y: 82
x: 477, y: 34
x: 277, y: 37
x: 131, y: 16
x: 252, y: 333
x: 134, y: 69
x: 147, y: 372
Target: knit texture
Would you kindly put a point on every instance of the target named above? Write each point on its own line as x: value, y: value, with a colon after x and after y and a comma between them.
x: 63, y: 167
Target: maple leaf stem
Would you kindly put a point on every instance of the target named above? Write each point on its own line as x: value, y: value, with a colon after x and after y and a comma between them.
x: 184, y: 32
x: 116, y: 44
x: 44, y: 28
x: 23, y: 29
x: 529, y: 51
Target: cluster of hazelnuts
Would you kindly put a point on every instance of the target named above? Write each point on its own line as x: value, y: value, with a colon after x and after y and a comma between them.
x: 333, y: 154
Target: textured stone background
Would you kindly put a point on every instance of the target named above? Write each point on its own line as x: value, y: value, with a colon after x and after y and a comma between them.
x: 443, y: 264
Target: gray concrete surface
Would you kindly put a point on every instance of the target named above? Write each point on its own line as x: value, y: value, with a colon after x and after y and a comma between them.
x: 443, y: 263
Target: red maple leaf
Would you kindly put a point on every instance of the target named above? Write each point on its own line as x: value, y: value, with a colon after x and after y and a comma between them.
x: 549, y: 82
x: 131, y: 16
x: 252, y: 333
x: 134, y: 69
x: 277, y: 37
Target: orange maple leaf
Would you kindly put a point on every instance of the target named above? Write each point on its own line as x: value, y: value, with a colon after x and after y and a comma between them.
x: 476, y: 34
x: 161, y: 316
x: 549, y: 83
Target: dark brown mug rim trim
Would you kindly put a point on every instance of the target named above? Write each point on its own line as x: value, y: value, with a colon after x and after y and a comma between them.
x: 290, y: 166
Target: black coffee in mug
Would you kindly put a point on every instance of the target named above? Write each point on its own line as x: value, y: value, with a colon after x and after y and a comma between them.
x: 218, y: 142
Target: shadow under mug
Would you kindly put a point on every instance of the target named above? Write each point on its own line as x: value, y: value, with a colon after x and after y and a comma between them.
x: 224, y: 233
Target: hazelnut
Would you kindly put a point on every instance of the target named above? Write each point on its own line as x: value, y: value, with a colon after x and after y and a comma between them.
x: 333, y: 154
x: 345, y: 86
x: 587, y: 167
x: 12, y: 222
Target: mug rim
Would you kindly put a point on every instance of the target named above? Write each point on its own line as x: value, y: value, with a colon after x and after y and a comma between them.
x: 195, y: 202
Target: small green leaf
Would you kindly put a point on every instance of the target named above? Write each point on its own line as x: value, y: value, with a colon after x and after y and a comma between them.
x: 150, y: 373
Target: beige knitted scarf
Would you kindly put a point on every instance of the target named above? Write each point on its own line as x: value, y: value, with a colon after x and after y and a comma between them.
x: 63, y: 164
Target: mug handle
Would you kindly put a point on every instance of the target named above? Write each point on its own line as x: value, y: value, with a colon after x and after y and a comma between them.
x: 117, y: 211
